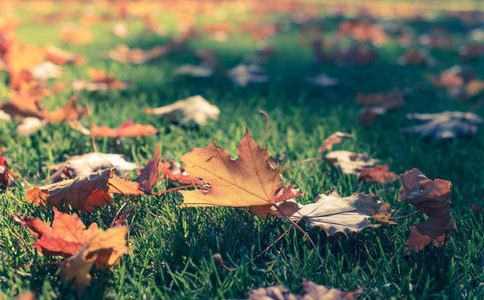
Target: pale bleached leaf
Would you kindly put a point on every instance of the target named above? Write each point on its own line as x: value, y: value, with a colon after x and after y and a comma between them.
x: 336, y: 214
x: 244, y: 74
x: 83, y: 165
x: 194, y: 109
x: 350, y: 162
x: 200, y: 71
x: 445, y: 125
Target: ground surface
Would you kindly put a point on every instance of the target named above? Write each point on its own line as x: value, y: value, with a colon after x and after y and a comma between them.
x: 172, y: 247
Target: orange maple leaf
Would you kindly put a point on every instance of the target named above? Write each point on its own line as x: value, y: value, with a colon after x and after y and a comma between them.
x: 83, y: 193
x: 244, y: 182
x: 69, y: 237
x: 127, y: 129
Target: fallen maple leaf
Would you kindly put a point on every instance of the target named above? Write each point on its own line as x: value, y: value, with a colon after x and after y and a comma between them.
x: 62, y: 57
x: 195, y: 110
x: 350, y: 162
x: 127, y: 129
x: 148, y: 176
x: 445, y: 125
x: 83, y: 165
x: 244, y: 74
x: 176, y: 172
x: 200, y: 71
x: 244, y: 182
x: 336, y: 214
x: 379, y: 173
x: 432, y: 197
x: 332, y: 140
x: 378, y: 104
x: 83, y: 193
x: 100, y: 81
x: 69, y: 237
x: 122, y: 53
x: 312, y: 291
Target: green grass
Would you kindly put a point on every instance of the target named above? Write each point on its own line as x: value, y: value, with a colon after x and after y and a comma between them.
x: 172, y: 247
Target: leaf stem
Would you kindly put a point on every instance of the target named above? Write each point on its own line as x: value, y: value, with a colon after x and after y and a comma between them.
x: 277, y: 240
x: 406, y: 216
x: 179, y: 188
x: 303, y: 232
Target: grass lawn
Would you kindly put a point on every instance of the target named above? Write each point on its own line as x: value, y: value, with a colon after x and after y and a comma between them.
x: 172, y: 247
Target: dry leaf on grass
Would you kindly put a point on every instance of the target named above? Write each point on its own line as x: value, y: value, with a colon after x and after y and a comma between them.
x: 350, y: 162
x: 69, y: 237
x: 176, y: 172
x: 379, y: 173
x: 62, y: 57
x: 123, y: 53
x: 100, y: 81
x: 312, y: 291
x: 332, y: 140
x: 200, y: 71
x: 432, y: 197
x: 378, y: 104
x: 243, y: 182
x: 45, y: 71
x: 83, y: 193
x: 127, y: 129
x: 445, y: 125
x: 244, y: 74
x: 193, y: 110
x: 83, y: 165
x: 336, y: 214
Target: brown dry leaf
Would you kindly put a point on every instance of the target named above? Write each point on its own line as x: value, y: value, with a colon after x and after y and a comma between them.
x: 71, y: 111
x: 332, y: 140
x: 148, y: 176
x: 336, y: 214
x: 83, y: 165
x: 122, y: 53
x: 62, y: 57
x: 127, y: 129
x: 378, y: 104
x: 379, y: 173
x: 83, y: 193
x: 243, y: 182
x: 176, y: 172
x: 194, y: 110
x: 432, y: 197
x: 22, y: 105
x: 350, y: 162
x: 69, y: 237
x: 312, y: 291
x: 100, y: 81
